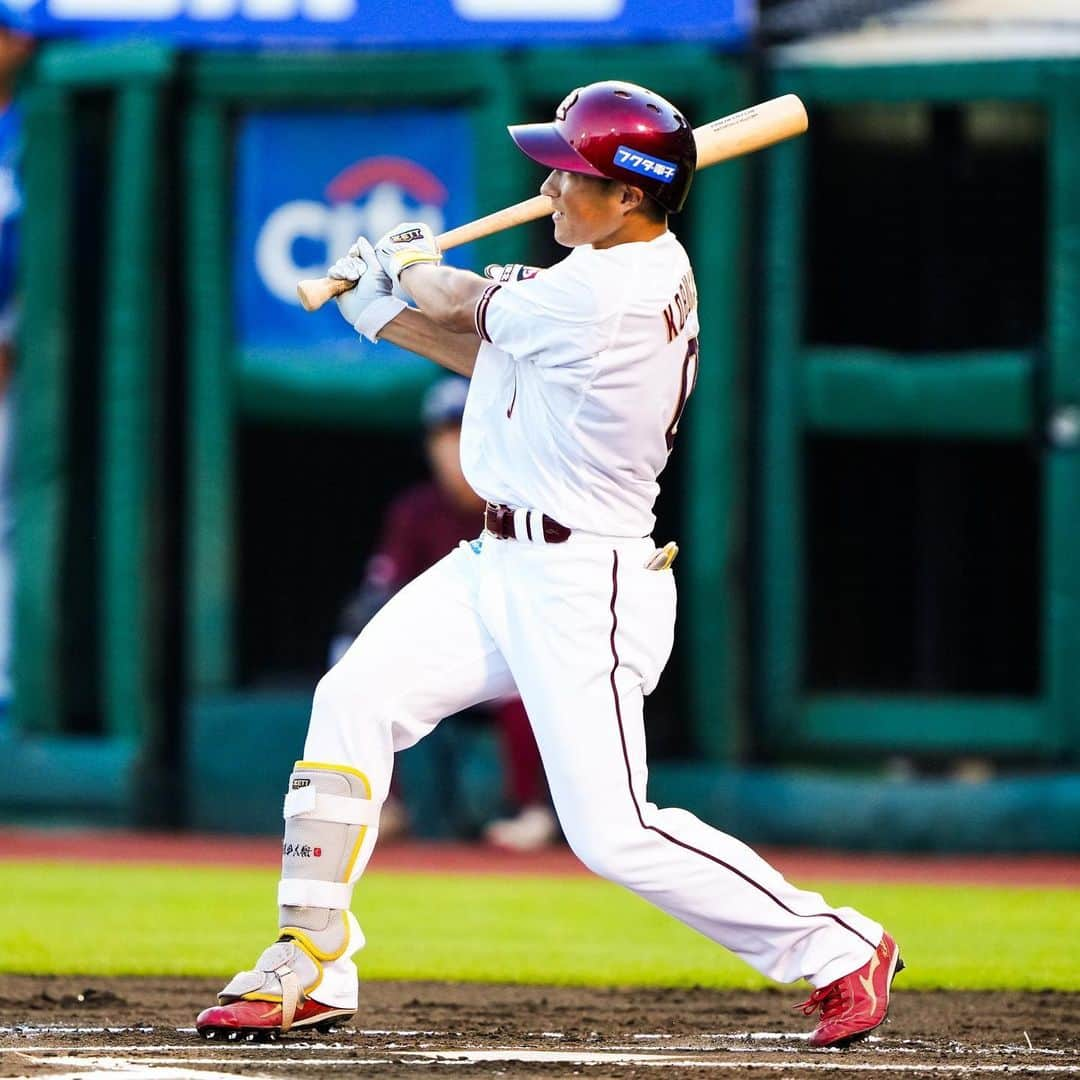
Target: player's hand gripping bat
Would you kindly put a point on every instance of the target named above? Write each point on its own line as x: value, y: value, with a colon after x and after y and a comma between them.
x: 729, y: 137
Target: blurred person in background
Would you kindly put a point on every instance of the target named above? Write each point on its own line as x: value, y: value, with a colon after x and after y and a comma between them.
x: 16, y: 48
x: 420, y: 526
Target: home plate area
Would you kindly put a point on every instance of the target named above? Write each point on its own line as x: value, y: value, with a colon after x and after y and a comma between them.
x: 55, y: 1028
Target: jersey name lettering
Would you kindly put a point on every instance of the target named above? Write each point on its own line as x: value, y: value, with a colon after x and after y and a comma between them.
x: 682, y: 303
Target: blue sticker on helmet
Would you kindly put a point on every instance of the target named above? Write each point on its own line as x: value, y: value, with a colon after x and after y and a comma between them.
x: 635, y: 161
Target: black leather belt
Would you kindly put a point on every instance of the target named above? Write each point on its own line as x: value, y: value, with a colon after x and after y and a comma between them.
x: 499, y: 521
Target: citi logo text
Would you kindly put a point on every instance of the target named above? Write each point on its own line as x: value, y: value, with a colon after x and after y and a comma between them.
x: 365, y: 199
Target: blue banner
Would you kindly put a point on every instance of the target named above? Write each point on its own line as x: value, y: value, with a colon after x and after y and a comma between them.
x: 307, y: 184
x: 396, y: 23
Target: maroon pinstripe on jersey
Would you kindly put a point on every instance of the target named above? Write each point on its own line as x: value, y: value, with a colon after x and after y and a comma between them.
x: 480, y: 317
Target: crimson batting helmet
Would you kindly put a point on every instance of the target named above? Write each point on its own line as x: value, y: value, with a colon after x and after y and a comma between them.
x: 619, y: 131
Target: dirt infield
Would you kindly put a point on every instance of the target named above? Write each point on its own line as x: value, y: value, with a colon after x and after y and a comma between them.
x: 69, y: 1027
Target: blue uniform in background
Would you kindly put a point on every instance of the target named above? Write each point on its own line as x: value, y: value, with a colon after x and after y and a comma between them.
x: 10, y: 213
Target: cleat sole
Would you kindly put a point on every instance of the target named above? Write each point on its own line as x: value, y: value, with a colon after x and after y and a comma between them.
x: 251, y: 1035
x: 270, y: 1034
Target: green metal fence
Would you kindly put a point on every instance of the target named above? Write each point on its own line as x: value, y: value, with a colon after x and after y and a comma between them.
x: 1021, y: 396
x: 90, y: 772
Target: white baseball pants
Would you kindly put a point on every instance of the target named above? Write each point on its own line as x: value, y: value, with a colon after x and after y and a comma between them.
x: 583, y: 630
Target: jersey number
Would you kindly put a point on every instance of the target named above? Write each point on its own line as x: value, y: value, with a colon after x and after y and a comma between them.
x: 687, y: 383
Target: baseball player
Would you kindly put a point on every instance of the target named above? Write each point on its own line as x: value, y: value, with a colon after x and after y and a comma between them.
x: 580, y: 375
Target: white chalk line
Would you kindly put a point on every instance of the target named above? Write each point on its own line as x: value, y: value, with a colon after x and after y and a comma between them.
x: 175, y: 1061
x: 119, y: 1067
x: 57, y: 1029
x: 128, y: 1071
x: 755, y: 1044
x: 674, y: 1042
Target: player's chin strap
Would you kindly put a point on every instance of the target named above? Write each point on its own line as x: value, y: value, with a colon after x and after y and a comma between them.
x: 328, y: 814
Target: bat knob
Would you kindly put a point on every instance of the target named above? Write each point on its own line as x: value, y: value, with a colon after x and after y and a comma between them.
x: 314, y: 292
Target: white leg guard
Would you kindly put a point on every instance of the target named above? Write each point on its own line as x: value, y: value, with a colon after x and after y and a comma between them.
x: 328, y: 813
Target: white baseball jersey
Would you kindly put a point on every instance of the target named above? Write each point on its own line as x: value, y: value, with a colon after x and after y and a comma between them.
x: 582, y: 375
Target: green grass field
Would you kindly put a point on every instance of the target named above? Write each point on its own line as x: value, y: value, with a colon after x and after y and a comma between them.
x: 107, y: 919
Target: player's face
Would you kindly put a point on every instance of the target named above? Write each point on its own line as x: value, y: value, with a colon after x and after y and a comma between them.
x: 587, y: 210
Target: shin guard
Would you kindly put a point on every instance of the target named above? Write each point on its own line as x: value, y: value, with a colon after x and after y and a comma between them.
x: 328, y: 812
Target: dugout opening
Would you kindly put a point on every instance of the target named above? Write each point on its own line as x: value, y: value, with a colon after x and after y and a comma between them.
x: 312, y: 502
x: 923, y: 566
x: 929, y: 225
x: 81, y: 543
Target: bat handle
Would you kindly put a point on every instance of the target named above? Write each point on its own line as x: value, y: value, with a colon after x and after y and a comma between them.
x: 314, y: 292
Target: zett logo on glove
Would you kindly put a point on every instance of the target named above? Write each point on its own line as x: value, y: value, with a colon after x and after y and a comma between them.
x: 407, y: 237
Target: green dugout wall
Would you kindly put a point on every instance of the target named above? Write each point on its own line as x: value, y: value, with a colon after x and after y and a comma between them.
x: 989, y: 394
x: 104, y: 339
x: 62, y: 546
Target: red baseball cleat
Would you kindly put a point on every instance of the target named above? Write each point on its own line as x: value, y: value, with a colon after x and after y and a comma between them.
x: 852, y: 1006
x: 256, y: 1021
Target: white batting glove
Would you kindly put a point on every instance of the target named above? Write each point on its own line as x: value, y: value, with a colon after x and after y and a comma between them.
x: 405, y: 245
x: 510, y: 272
x: 369, y: 306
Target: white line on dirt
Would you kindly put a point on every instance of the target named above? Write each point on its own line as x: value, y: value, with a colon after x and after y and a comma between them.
x: 788, y: 1041
x: 832, y: 1060
x: 386, y: 1031
x: 137, y: 1067
x: 55, y: 1029
x: 130, y: 1070
x: 738, y: 1046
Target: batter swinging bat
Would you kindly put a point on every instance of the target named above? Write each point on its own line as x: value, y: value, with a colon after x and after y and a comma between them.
x: 729, y: 137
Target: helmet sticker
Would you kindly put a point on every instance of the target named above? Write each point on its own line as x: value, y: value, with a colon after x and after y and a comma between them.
x: 637, y: 162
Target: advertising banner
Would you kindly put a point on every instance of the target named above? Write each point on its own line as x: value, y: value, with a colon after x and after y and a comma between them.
x: 307, y: 184
x: 396, y: 23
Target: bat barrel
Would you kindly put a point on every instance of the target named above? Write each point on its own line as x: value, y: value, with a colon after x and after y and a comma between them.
x: 755, y: 128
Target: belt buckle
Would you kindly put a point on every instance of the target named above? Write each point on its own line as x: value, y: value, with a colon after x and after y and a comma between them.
x: 503, y: 520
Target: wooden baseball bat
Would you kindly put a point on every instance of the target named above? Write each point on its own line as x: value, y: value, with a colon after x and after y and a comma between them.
x: 720, y: 140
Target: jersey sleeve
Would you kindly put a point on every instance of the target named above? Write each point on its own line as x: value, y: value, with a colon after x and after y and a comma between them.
x: 555, y: 318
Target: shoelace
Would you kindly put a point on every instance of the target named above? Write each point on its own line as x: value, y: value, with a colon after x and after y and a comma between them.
x: 830, y: 999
